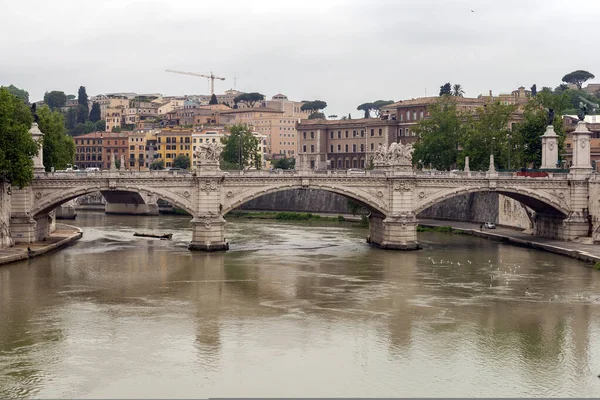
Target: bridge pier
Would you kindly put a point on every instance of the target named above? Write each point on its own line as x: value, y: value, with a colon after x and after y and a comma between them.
x: 393, y: 233
x: 554, y: 226
x: 208, y: 233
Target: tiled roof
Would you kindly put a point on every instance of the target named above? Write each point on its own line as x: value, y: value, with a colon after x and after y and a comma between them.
x: 423, y: 101
x: 253, y: 109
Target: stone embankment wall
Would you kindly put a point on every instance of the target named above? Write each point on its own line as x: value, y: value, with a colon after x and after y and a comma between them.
x: 5, y: 238
x: 473, y: 207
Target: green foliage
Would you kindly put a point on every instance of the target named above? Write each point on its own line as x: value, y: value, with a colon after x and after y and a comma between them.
x: 528, y: 142
x: 95, y: 112
x: 55, y: 99
x: 313, y: 106
x: 213, y: 100
x: 59, y: 149
x: 82, y: 114
x: 249, y: 98
x: 16, y: 145
x: 317, y: 115
x: 116, y: 129
x: 356, y: 208
x: 285, y: 163
x: 457, y: 90
x: 71, y: 96
x: 366, y: 108
x: 487, y: 133
x: 578, y: 77
x: 597, y: 266
x: 375, y: 107
x: 82, y: 97
x: 446, y: 89
x: 19, y: 93
x: 439, y: 136
x: 332, y: 116
x: 100, y: 125
x: 71, y: 120
x: 240, y: 148
x: 157, y: 165
x: 182, y: 161
x: 442, y: 229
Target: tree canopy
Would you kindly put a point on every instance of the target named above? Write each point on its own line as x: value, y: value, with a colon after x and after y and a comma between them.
x: 59, y: 149
x: 313, y: 106
x: 182, y: 161
x: 16, y: 144
x: 446, y: 89
x: 157, y: 165
x: 578, y: 77
x: 95, y: 112
x: 55, y: 99
x: 457, y: 90
x: 249, y: 99
x: 285, y: 163
x: 82, y: 97
x: 240, y: 149
x: 19, y: 93
x: 317, y: 115
x: 213, y: 100
x: 375, y: 107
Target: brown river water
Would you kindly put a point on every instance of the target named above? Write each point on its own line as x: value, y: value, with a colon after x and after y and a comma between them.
x: 294, y: 309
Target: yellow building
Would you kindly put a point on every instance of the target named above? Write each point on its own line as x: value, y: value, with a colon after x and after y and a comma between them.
x: 173, y: 142
x: 142, y: 150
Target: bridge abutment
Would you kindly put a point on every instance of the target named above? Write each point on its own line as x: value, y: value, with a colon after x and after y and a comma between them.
x: 393, y: 233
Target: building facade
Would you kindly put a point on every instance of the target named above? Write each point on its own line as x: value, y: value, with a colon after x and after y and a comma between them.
x: 95, y: 149
x: 172, y: 142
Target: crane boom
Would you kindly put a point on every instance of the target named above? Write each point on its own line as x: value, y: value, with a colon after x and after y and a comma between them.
x: 212, y: 77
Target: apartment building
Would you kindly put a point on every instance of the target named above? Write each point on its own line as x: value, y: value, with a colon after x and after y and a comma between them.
x: 205, y: 136
x: 95, y: 149
x: 172, y: 142
x: 109, y: 102
x: 343, y: 144
x: 143, y: 150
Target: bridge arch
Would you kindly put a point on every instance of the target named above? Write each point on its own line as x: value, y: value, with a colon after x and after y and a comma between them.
x: 533, y: 199
x: 56, y: 198
x: 365, y: 200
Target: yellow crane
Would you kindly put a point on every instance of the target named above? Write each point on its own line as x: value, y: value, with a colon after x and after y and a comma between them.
x: 212, y: 77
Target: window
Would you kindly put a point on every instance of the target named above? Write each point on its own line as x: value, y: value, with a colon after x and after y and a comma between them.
x: 331, y: 135
x: 339, y: 134
x: 380, y: 131
x: 421, y: 116
x: 346, y: 134
x: 312, y: 135
x: 372, y: 132
x: 354, y: 148
x: 354, y: 133
x: 362, y: 133
x: 132, y: 147
x: 414, y: 115
x: 312, y: 148
x: 400, y: 132
x: 304, y: 147
x: 339, y: 148
x: 362, y: 148
x: 304, y: 135
x: 331, y: 149
x: 408, y: 115
x: 407, y: 132
x: 346, y: 148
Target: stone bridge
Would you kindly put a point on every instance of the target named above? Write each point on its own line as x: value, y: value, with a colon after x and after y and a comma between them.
x: 563, y: 203
x: 566, y: 205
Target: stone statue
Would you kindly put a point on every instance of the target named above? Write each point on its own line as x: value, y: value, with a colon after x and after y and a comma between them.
x: 209, y: 151
x: 550, y: 116
x: 396, y: 153
x: 586, y: 107
x: 36, y: 118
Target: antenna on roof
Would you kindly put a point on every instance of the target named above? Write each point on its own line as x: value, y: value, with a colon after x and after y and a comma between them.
x: 234, y: 82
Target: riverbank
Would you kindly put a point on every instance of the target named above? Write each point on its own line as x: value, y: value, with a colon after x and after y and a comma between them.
x: 584, y: 252
x: 64, y: 235
x: 292, y: 216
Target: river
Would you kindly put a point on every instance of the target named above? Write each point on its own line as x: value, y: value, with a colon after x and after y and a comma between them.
x: 294, y: 309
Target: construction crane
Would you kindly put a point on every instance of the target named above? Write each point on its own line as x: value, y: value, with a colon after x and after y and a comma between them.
x: 212, y: 77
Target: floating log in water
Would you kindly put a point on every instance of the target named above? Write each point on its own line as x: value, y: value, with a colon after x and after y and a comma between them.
x: 167, y: 236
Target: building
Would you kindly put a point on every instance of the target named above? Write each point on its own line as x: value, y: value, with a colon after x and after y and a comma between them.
x: 114, y: 117
x: 226, y: 98
x: 172, y: 142
x: 143, y: 150
x: 593, y: 125
x: 95, y: 149
x: 205, y: 136
x: 108, y: 102
x: 343, y: 144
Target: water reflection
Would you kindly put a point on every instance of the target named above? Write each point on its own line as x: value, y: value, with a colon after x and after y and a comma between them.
x: 292, y: 310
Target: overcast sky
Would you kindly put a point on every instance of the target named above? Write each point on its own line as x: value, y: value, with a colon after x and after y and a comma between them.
x: 343, y: 52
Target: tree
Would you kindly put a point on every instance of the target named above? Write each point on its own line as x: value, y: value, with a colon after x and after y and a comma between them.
x: 379, y: 104
x: 100, y: 125
x: 95, y: 112
x: 59, y: 149
x: 19, y: 93
x: 457, y: 90
x: 487, y: 132
x: 446, y: 89
x: 182, y: 161
x: 439, y: 135
x: 534, y: 90
x: 71, y: 97
x: 313, y: 106
x: 249, y: 98
x: 55, y: 99
x: 71, y: 120
x: 157, y: 165
x: 213, y: 100
x: 285, y: 163
x: 578, y: 77
x: 366, y: 108
x: 82, y: 98
x: 82, y: 114
x: 240, y: 148
x: 17, y: 148
x: 317, y: 115
x: 332, y: 116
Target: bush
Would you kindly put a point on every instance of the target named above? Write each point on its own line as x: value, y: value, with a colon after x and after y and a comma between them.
x: 597, y: 266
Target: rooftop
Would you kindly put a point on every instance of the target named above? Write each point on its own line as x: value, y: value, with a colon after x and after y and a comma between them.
x: 421, y: 101
x: 103, y: 135
x: 252, y: 109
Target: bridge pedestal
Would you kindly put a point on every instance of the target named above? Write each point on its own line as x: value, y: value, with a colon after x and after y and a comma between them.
x: 393, y: 233
x: 554, y: 226
x: 208, y: 233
